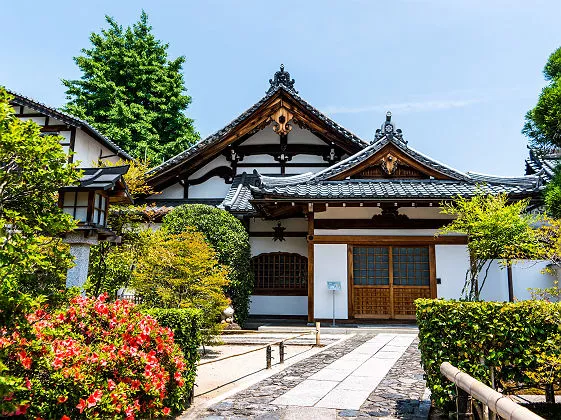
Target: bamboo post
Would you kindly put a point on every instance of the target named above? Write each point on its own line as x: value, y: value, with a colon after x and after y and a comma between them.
x: 269, y: 357
x: 318, y: 333
x: 281, y: 352
x: 463, y: 405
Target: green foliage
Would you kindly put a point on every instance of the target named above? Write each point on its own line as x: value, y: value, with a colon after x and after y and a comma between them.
x: 132, y: 92
x: 93, y: 359
x: 180, y: 271
x: 474, y: 336
x: 552, y: 195
x: 543, y: 122
x: 230, y: 240
x: 186, y: 326
x: 496, y: 229
x: 32, y: 169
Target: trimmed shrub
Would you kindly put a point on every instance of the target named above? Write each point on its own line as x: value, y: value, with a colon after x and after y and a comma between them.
x: 230, y: 240
x: 186, y: 327
x: 93, y: 359
x: 474, y: 336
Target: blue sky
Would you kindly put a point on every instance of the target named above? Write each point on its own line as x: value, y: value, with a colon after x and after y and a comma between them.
x: 458, y: 76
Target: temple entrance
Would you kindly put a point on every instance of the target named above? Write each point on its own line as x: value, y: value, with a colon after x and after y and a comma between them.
x: 384, y: 281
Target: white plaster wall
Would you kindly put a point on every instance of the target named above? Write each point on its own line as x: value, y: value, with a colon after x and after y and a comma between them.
x: 302, y: 136
x: 452, y: 263
x: 302, y: 170
x: 308, y: 159
x: 87, y: 150
x: 525, y: 274
x: 265, y: 245
x: 278, y: 305
x: 66, y: 135
x: 173, y: 191
x: 258, y: 160
x: 263, y: 170
x: 265, y: 136
x: 424, y: 213
x: 215, y: 163
x: 214, y: 187
x: 348, y: 213
x: 330, y: 264
x: 36, y: 120
x: 291, y: 225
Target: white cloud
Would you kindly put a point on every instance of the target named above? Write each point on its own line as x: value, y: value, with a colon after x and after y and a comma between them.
x: 404, y: 107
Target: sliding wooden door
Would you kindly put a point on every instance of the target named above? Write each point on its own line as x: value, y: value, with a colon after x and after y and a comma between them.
x: 384, y: 281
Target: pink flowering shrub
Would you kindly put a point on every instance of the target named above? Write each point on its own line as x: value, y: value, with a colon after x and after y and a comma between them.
x: 93, y: 359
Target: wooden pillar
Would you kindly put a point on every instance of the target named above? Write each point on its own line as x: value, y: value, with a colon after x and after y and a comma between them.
x: 510, y: 285
x: 310, y: 262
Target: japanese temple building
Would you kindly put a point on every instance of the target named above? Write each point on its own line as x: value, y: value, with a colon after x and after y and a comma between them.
x: 328, y: 210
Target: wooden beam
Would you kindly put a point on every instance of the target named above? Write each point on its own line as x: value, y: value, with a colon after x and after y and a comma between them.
x: 310, y: 266
x: 390, y: 240
x: 72, y: 143
x: 372, y: 224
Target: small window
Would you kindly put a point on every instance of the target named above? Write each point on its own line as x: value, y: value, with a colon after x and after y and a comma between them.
x: 279, y: 273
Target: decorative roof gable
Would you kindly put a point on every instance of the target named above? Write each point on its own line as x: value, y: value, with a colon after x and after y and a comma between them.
x: 281, y: 106
x: 389, y: 156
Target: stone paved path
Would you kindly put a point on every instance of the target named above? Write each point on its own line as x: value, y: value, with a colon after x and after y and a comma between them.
x: 364, y: 376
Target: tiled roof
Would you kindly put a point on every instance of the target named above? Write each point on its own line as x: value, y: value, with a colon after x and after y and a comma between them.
x: 543, y: 162
x: 217, y: 136
x: 237, y: 199
x: 390, y: 189
x: 70, y: 120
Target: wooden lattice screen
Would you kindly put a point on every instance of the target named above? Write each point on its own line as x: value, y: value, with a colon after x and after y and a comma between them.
x: 279, y: 273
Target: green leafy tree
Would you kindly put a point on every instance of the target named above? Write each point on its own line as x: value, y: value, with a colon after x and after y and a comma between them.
x: 32, y: 169
x: 132, y: 92
x: 496, y: 229
x: 32, y: 260
x: 543, y: 122
x: 230, y: 240
x: 552, y: 195
x: 180, y: 271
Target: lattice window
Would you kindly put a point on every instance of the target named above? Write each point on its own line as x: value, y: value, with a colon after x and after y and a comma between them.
x: 411, y: 266
x: 371, y: 266
x: 280, y: 273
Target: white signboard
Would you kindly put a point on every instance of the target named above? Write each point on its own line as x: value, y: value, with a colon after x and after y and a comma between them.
x: 333, y: 285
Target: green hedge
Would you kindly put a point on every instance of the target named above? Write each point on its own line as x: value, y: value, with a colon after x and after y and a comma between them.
x: 476, y: 335
x: 186, y: 327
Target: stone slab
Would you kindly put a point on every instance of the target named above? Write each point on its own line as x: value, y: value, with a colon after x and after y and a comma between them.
x: 306, y: 394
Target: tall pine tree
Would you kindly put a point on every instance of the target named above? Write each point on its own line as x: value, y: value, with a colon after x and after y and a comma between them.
x: 132, y: 93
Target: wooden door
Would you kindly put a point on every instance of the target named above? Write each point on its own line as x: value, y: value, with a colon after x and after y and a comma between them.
x: 384, y: 281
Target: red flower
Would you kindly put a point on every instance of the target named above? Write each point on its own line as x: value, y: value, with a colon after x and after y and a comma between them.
x: 65, y: 417
x: 81, y: 405
x: 25, y: 361
x: 166, y: 411
x: 62, y: 399
x: 27, y: 383
x: 94, y: 398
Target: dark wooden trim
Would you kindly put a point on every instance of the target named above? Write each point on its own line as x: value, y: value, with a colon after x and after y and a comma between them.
x: 378, y: 224
x: 432, y: 267
x: 310, y: 266
x: 278, y: 165
x: 276, y: 149
x: 51, y: 128
x: 390, y: 274
x: 46, y: 120
x: 390, y: 240
x: 72, y: 143
x: 350, y: 283
x: 280, y: 292
x: 31, y: 115
x: 224, y: 172
x: 271, y: 234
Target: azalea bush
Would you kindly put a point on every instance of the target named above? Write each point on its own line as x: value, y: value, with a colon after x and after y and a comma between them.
x: 93, y: 359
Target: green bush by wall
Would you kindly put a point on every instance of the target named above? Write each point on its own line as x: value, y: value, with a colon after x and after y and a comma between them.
x: 186, y: 327
x: 476, y: 335
x: 227, y: 235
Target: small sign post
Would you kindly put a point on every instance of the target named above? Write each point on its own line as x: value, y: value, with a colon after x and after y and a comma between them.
x: 333, y: 286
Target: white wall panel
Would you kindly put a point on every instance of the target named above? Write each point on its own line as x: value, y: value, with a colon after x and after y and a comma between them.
x: 265, y: 136
x: 214, y: 187
x: 452, y: 262
x: 87, y: 150
x: 173, y: 191
x: 278, y: 305
x: 330, y: 264
x: 266, y: 245
x: 291, y: 225
x: 215, y: 163
x: 302, y: 136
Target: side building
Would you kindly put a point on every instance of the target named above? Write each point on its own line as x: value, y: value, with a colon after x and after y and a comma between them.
x: 327, y: 210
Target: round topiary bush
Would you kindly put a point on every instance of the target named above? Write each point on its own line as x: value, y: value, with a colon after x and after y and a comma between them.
x: 230, y: 240
x: 93, y: 359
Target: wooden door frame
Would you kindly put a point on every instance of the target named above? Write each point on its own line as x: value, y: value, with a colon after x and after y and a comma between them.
x: 374, y: 243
